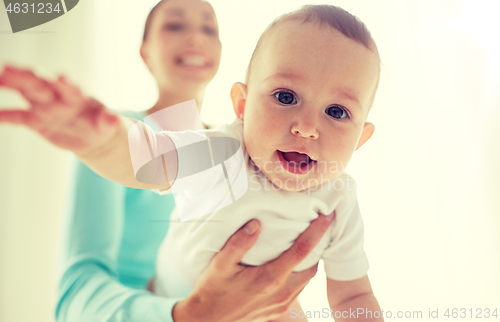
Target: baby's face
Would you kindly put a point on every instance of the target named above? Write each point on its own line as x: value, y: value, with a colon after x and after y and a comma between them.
x: 307, y: 100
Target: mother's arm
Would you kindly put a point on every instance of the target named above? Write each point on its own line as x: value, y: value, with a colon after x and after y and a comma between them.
x: 89, y: 288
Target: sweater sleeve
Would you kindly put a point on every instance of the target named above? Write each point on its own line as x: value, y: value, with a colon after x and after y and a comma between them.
x: 89, y: 289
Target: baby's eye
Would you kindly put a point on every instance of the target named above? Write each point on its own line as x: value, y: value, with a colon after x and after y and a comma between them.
x: 286, y: 98
x: 173, y: 26
x: 336, y: 112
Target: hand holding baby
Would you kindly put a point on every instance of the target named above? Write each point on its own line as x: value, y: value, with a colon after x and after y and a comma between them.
x: 229, y: 291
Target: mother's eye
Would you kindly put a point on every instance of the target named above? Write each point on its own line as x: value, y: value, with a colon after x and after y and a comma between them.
x: 286, y: 98
x: 173, y: 26
x: 336, y: 112
x: 209, y: 31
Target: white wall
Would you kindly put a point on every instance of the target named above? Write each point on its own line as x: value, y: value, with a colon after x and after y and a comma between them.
x: 33, y: 174
x: 428, y: 178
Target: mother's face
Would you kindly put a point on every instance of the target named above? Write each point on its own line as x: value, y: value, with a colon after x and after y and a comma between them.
x: 182, y: 46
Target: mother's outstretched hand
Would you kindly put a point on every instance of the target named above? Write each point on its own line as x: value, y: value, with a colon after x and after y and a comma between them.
x: 58, y: 111
x: 229, y: 291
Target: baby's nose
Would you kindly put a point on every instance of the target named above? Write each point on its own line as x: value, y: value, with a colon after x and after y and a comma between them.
x: 306, y: 127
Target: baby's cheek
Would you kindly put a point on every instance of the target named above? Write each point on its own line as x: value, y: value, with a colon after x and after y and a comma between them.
x: 274, y: 125
x: 252, y: 138
x: 261, y: 128
x: 336, y: 159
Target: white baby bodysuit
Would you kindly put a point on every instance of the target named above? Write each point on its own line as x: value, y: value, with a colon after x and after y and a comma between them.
x: 189, y: 246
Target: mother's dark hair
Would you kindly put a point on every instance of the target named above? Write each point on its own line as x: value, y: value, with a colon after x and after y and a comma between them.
x: 149, y: 20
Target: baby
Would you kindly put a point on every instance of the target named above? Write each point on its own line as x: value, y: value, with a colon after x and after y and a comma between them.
x: 300, y: 116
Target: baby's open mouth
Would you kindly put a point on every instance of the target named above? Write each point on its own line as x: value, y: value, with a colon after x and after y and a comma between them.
x: 296, y: 162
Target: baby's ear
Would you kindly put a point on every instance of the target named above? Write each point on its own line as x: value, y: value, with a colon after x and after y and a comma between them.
x: 368, y: 130
x: 239, y: 98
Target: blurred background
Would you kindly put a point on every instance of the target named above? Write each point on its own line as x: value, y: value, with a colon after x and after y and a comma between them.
x: 428, y: 180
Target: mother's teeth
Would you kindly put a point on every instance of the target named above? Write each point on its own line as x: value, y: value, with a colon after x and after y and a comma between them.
x: 194, y: 61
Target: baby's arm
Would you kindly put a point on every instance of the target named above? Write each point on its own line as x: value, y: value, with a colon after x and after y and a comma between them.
x: 353, y: 296
x: 61, y: 114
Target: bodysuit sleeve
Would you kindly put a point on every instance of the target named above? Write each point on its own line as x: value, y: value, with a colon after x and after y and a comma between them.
x: 211, y: 171
x: 345, y: 257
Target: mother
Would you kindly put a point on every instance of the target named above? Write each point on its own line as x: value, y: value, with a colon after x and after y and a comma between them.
x: 113, y: 232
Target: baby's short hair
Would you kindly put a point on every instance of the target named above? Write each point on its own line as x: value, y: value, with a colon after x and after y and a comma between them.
x: 332, y: 16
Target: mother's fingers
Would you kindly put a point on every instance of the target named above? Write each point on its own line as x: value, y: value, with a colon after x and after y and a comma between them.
x: 295, y: 283
x: 67, y: 92
x: 236, y: 246
x: 302, y: 246
x: 302, y: 278
x: 14, y: 116
x: 35, y: 89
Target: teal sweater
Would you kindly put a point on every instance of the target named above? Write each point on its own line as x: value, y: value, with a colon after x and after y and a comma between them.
x: 109, y: 247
